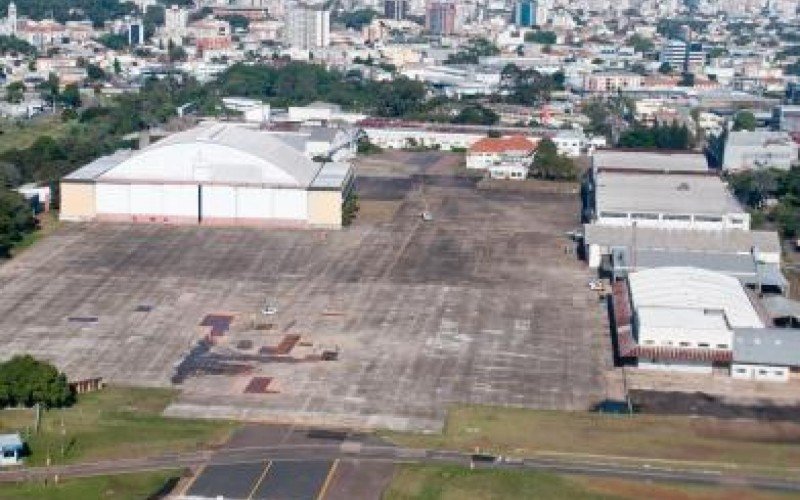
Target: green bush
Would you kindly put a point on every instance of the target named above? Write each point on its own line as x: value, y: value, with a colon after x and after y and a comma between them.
x: 27, y: 381
x: 349, y: 208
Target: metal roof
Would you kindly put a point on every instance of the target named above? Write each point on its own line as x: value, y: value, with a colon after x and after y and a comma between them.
x: 690, y: 287
x: 767, y: 346
x: 98, y: 167
x: 663, y: 193
x: 723, y: 241
x: 731, y: 264
x: 10, y: 442
x: 332, y: 176
x: 778, y: 306
x: 651, y: 161
x: 758, y: 138
x: 680, y: 317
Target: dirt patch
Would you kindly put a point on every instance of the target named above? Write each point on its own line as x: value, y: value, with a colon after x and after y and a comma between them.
x: 681, y: 403
x: 377, y: 211
x: 748, y: 430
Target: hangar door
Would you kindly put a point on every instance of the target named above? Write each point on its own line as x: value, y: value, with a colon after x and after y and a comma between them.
x: 228, y: 202
x: 166, y: 202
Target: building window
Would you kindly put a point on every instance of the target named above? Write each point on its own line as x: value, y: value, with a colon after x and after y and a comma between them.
x: 706, y: 218
x: 685, y: 344
x: 614, y: 215
x: 722, y: 346
x: 703, y: 344
x: 677, y: 217
x: 644, y: 216
x: 762, y: 372
x: 741, y: 371
x: 649, y: 342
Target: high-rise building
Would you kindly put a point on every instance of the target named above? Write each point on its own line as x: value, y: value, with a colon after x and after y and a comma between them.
x: 395, y: 9
x: 176, y: 20
x: 683, y: 56
x: 307, y: 26
x: 135, y: 32
x: 8, y: 26
x: 440, y: 17
x: 528, y: 13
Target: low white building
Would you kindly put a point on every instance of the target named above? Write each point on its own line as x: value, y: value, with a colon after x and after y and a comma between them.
x: 766, y: 354
x: 746, y: 150
x: 491, y: 152
x: 11, y: 449
x: 321, y: 112
x: 509, y: 171
x: 574, y: 143
x: 408, y: 137
x: 252, y: 110
x: 683, y: 318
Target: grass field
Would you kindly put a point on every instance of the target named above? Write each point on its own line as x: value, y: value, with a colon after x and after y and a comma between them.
x: 122, y: 487
x: 21, y: 134
x: 112, y: 423
x: 527, y: 432
x: 452, y: 482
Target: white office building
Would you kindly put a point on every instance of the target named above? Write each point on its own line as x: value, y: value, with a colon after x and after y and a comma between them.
x: 307, y: 27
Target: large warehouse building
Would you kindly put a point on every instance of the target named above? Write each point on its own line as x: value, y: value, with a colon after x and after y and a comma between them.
x: 213, y: 174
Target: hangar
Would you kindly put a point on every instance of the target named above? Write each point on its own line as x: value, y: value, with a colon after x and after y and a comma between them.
x: 213, y: 174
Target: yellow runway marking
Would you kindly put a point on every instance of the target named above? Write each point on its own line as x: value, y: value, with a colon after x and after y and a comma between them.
x: 260, y: 479
x: 328, y: 479
x: 192, y: 480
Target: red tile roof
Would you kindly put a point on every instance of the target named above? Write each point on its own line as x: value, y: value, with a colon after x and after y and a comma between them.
x: 503, y: 144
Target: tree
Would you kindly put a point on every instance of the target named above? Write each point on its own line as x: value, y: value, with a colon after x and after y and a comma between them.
x: 744, y: 120
x: 357, y: 19
x: 175, y: 52
x: 476, y: 115
x: 237, y: 21
x: 27, y: 381
x: 113, y: 41
x: 541, y: 37
x: 14, y: 45
x: 687, y: 80
x: 117, y: 67
x: 640, y: 43
x: 15, y: 92
x: 528, y: 86
x: 754, y: 186
x: 549, y: 165
x: 659, y: 136
x: 70, y: 96
x: 470, y: 55
x: 95, y: 73
x: 49, y: 89
x: 665, y: 68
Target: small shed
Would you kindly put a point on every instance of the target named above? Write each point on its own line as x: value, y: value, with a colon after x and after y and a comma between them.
x: 11, y: 448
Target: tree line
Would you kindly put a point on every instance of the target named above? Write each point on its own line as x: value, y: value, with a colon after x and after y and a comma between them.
x: 659, y: 136
x: 755, y: 187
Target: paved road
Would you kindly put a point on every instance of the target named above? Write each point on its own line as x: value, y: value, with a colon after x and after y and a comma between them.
x: 594, y: 467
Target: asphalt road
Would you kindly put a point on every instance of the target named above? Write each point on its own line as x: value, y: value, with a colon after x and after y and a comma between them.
x: 594, y: 467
